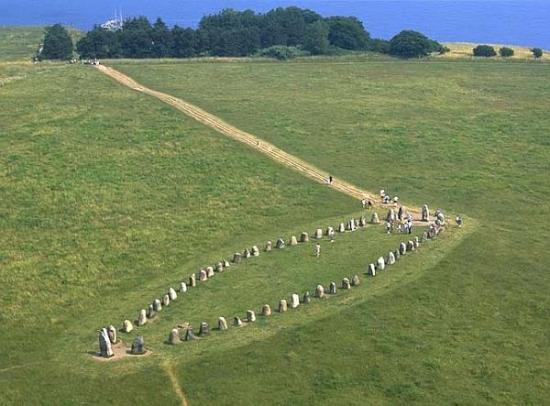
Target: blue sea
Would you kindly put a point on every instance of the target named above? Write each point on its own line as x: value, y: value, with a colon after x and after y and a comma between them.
x: 517, y: 22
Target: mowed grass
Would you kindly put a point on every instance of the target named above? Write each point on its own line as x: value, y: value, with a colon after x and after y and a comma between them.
x: 19, y: 43
x: 471, y: 137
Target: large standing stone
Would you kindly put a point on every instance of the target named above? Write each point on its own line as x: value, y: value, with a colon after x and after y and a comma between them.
x: 250, y: 316
x: 318, y: 234
x: 189, y: 334
x: 332, y: 288
x: 204, y: 329
x: 255, y: 251
x: 203, y: 275
x: 282, y: 306
x: 280, y: 243
x: 341, y: 228
x: 209, y: 271
x: 374, y: 218
x: 390, y: 217
x: 165, y: 300
x: 330, y: 231
x: 293, y: 240
x: 425, y: 213
x: 174, y: 336
x: 400, y: 213
x: 351, y: 225
x: 346, y: 283
x: 222, y: 323
x: 416, y: 242
x: 268, y: 246
x: 237, y: 322
x: 294, y: 301
x: 247, y: 253
x: 127, y: 325
x: 424, y: 237
x: 183, y: 287
x: 105, y: 348
x: 192, y: 281
x: 381, y: 264
x: 142, y: 317
x: 226, y: 263
x: 320, y: 291
x: 172, y: 294
x: 138, y: 346
x: 219, y: 267
x: 391, y: 258
x: 402, y: 248
x: 355, y: 281
x: 307, y: 297
x: 441, y: 217
x: 372, y: 270
x: 397, y: 254
x: 362, y: 222
x: 157, y: 305
x: 410, y: 245
x: 266, y: 310
x: 111, y: 330
x: 151, y: 312
x: 237, y: 257
x: 304, y: 237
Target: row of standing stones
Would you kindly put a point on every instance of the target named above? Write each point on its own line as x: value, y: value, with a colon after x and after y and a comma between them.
x: 105, y: 334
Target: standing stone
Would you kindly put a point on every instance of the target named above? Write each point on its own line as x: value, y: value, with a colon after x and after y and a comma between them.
x: 362, y: 222
x: 105, y: 349
x: 341, y: 228
x: 255, y: 251
x: 250, y: 316
x: 151, y: 312
x: 237, y: 322
x: 172, y: 294
x: 410, y: 245
x: 330, y: 231
x: 237, y: 257
x: 294, y: 301
x: 425, y: 213
x: 222, y: 324
x: 192, y: 281
x: 247, y: 253
x: 157, y: 306
x: 268, y: 246
x: 219, y: 267
x: 266, y: 310
x: 374, y: 219
x: 381, y: 264
x: 318, y: 234
x: 320, y: 291
x: 165, y: 300
x: 127, y: 325
x: 226, y: 263
x: 138, y: 346
x: 183, y: 287
x: 402, y: 248
x: 280, y: 243
x: 282, y: 306
x: 391, y: 258
x: 424, y: 237
x: 304, y: 237
x: 416, y: 242
x: 142, y: 317
x: 332, y: 288
x: 346, y: 283
x: 203, y: 275
x: 204, y: 329
x: 351, y: 225
x: 400, y: 213
x: 372, y: 270
x: 111, y: 330
x: 307, y: 297
x: 174, y: 336
x: 209, y: 271
x: 355, y: 281
x: 189, y: 334
x: 390, y: 217
x: 293, y: 240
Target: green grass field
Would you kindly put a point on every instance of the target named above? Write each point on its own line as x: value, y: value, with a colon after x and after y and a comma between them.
x: 110, y: 197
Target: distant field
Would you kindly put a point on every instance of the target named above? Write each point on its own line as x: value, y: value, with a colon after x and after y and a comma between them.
x: 464, y: 50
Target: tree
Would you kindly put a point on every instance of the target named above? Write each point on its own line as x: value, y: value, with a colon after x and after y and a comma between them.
x: 537, y: 52
x: 57, y: 43
x: 484, y: 50
x: 136, y: 38
x: 184, y: 42
x: 161, y: 37
x: 506, y: 52
x: 347, y: 33
x: 99, y: 43
x: 411, y: 44
x: 316, y: 38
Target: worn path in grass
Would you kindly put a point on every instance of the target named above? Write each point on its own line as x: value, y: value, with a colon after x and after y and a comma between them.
x: 252, y: 141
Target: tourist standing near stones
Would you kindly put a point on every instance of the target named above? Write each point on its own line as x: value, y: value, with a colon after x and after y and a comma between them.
x: 317, y: 250
x: 330, y: 179
x: 458, y: 221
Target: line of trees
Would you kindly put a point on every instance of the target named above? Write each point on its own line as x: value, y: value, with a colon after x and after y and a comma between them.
x: 488, y: 51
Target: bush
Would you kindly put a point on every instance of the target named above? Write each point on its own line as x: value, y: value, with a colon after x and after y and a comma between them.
x: 412, y: 44
x: 506, y: 52
x: 444, y: 50
x: 484, y: 50
x: 281, y: 52
x: 379, y: 45
x: 57, y: 43
x: 537, y: 52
